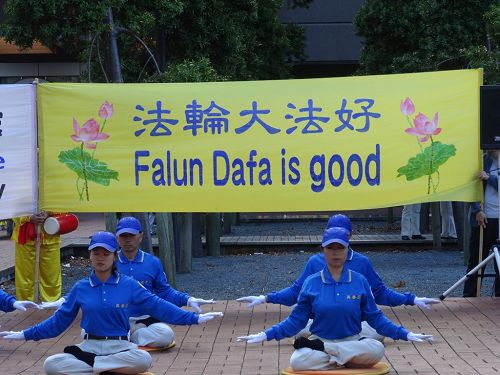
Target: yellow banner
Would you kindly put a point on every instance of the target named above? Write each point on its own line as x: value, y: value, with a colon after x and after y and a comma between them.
x: 296, y: 145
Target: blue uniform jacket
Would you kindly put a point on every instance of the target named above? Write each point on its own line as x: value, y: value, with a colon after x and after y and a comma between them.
x: 337, y: 309
x: 148, y: 270
x: 105, y: 308
x: 356, y: 262
x: 6, y: 302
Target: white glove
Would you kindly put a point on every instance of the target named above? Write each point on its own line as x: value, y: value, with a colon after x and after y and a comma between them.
x: 203, y: 318
x: 196, y: 302
x: 23, y: 305
x: 53, y: 305
x: 424, y: 302
x: 254, y: 300
x: 12, y: 335
x: 253, y: 339
x: 419, y: 337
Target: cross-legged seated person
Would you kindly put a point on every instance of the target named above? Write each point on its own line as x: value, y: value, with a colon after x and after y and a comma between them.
x: 354, y: 261
x: 145, y: 329
x: 104, y: 298
x: 339, y: 299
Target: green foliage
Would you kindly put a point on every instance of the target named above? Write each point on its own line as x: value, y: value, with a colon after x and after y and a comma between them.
x: 420, y: 35
x: 488, y: 57
x: 188, y: 71
x: 241, y: 39
x: 87, y: 167
x: 428, y: 161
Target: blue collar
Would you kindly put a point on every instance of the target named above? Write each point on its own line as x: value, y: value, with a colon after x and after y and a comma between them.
x: 326, y: 277
x: 139, y: 257
x: 350, y: 254
x: 113, y: 279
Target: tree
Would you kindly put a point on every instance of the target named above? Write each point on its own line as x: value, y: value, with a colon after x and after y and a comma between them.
x: 242, y: 39
x: 488, y: 56
x: 420, y: 35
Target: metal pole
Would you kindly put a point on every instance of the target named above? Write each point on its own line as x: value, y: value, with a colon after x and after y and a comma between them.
x: 494, y: 255
x: 36, y: 285
x: 479, y: 260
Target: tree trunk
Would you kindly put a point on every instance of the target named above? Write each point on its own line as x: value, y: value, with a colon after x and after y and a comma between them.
x: 115, y: 69
x: 229, y: 219
x: 213, y: 233
x: 161, y: 51
x: 146, y: 243
x: 110, y: 221
x: 197, y: 230
x: 166, y: 252
x: 390, y: 215
x: 185, y: 241
x: 436, y: 226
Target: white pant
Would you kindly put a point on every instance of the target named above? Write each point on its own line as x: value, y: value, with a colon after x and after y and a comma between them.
x: 366, y: 331
x: 447, y: 222
x: 348, y: 352
x: 111, y: 355
x: 410, y: 220
x: 158, y: 335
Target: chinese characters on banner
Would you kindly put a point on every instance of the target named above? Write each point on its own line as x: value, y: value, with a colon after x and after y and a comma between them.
x: 18, y: 163
x: 294, y: 145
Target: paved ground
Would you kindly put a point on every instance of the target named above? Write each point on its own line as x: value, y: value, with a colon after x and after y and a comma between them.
x: 467, y: 333
x: 467, y: 341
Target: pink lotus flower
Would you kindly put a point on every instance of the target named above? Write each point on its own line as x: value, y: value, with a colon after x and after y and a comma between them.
x: 424, y: 127
x: 407, y: 107
x: 105, y: 110
x: 88, y: 133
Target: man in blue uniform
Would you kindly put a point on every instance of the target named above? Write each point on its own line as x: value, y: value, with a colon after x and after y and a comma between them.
x: 356, y: 262
x: 146, y: 330
x: 339, y: 299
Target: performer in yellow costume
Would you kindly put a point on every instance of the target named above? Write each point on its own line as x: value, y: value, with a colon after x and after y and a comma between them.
x: 24, y: 236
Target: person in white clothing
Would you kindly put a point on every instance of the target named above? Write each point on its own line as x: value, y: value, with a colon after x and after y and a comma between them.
x: 410, y: 222
x: 448, y: 229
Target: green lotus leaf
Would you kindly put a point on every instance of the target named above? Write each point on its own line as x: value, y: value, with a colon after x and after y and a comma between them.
x: 95, y: 170
x: 428, y: 161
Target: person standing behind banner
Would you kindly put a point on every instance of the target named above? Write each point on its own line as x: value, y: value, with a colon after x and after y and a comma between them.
x: 410, y: 222
x: 448, y: 229
x: 487, y: 218
x: 24, y: 236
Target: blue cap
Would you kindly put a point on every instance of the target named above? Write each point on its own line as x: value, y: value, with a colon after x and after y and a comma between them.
x: 104, y: 239
x: 128, y: 224
x: 337, y: 235
x: 339, y: 220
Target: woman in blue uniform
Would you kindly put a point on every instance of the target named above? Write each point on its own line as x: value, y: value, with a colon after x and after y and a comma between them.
x: 338, y: 299
x: 104, y: 298
x: 354, y: 261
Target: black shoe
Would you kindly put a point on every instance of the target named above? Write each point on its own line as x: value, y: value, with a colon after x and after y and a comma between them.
x: 148, y: 321
x: 86, y: 357
x: 405, y: 238
x: 417, y: 237
x: 449, y: 238
x: 303, y: 342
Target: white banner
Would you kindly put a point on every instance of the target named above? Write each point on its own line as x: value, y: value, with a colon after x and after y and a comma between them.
x: 18, y: 161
